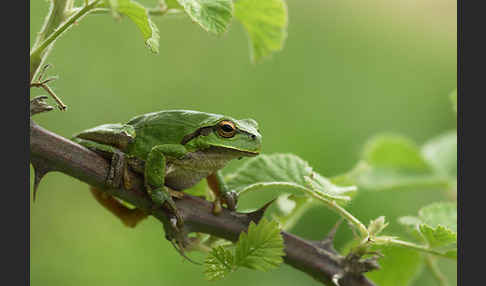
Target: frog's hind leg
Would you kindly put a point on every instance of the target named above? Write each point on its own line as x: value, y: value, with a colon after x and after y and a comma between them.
x: 116, y: 135
x: 129, y: 217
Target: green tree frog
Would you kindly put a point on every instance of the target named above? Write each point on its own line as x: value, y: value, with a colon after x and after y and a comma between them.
x: 174, y: 150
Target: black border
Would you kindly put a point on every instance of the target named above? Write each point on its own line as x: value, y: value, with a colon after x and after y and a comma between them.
x: 471, y: 78
x: 15, y: 170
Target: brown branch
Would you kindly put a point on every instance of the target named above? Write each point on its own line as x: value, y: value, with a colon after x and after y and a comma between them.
x: 51, y: 152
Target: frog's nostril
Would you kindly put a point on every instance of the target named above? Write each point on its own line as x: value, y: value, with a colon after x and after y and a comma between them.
x: 253, y: 136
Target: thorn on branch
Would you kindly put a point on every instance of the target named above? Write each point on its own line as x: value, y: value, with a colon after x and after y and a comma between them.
x: 257, y: 215
x: 353, y: 267
x: 40, y: 170
x: 328, y: 242
x: 332, y: 233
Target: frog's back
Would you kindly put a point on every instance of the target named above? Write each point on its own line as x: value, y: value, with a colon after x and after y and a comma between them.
x: 166, y: 127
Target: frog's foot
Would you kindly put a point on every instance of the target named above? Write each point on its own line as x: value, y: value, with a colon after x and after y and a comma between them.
x: 229, y: 198
x: 175, y: 215
x: 162, y: 197
x: 173, y: 228
x: 118, y: 170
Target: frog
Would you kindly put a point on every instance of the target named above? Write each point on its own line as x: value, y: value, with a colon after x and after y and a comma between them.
x: 174, y: 150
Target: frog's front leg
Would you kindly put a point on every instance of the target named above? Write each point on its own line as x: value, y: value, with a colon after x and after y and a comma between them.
x: 222, y: 193
x: 155, y: 168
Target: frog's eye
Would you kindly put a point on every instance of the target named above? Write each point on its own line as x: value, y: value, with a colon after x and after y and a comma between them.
x: 226, y: 129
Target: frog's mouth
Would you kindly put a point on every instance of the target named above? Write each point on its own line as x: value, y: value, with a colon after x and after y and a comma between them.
x: 236, y: 152
x: 250, y: 154
x: 245, y: 153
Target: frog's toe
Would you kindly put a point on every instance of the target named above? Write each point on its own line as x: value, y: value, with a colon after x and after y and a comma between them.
x: 176, y: 219
x: 117, y: 169
x: 231, y: 200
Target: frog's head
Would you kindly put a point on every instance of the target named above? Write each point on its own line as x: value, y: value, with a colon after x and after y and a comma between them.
x: 242, y: 136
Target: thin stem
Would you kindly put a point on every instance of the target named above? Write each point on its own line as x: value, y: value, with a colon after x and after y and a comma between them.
x: 43, y: 85
x: 345, y: 214
x: 58, y: 12
x: 411, y: 245
x: 39, y: 50
x: 431, y: 263
x: 63, y: 28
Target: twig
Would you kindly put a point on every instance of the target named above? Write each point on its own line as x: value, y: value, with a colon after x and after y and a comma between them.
x: 44, y: 85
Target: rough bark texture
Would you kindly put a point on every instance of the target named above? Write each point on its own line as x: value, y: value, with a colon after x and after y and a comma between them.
x: 51, y: 152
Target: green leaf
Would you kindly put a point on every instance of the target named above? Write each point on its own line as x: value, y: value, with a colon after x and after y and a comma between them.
x: 139, y: 15
x: 395, y: 152
x: 436, y: 225
x: 261, y: 248
x: 441, y: 154
x: 438, y: 236
x: 453, y: 97
x: 285, y: 172
x: 394, y: 162
x: 219, y: 263
x: 444, y: 213
x: 398, y: 267
x: 266, y: 24
x: 214, y: 16
x: 376, y: 226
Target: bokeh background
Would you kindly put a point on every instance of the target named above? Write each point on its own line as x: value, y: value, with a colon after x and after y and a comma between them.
x: 349, y: 70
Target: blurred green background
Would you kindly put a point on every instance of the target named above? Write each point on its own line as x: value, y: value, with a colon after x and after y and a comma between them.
x: 349, y: 70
